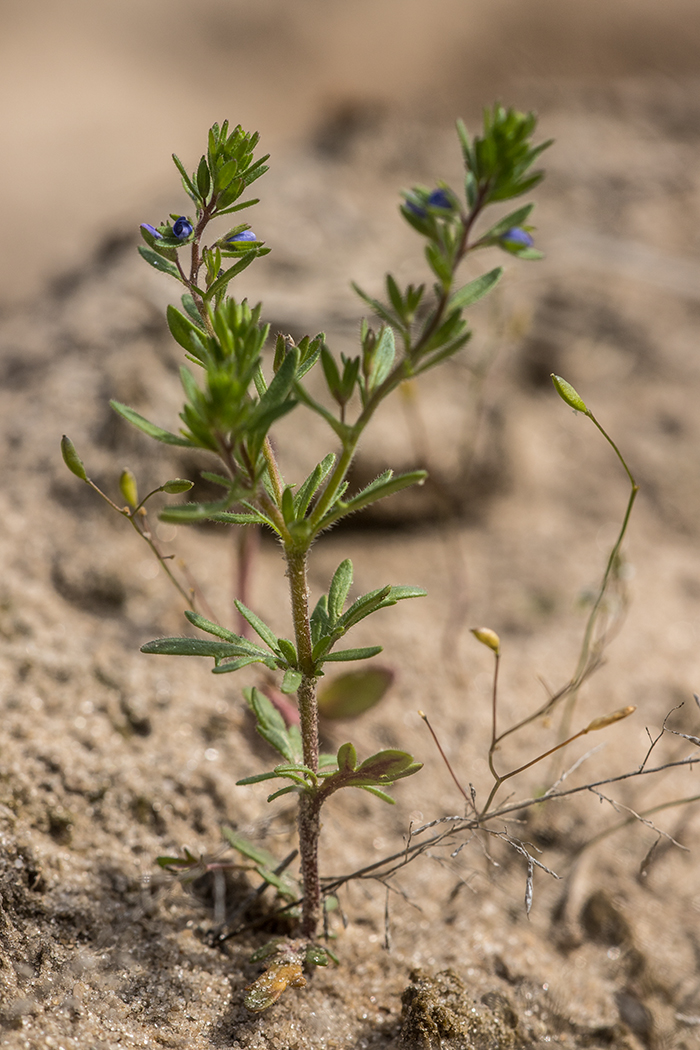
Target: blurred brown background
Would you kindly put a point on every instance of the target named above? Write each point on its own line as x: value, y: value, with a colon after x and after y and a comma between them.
x: 96, y: 95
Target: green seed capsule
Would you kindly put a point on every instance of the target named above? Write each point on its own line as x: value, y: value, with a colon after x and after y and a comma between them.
x: 177, y: 485
x: 72, y: 459
x: 128, y: 487
x: 567, y: 393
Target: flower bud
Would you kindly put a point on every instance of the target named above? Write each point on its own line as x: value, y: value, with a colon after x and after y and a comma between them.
x: 244, y: 235
x: 152, y: 230
x: 72, y: 459
x: 516, y: 238
x: 608, y: 720
x: 177, y: 485
x: 128, y: 487
x: 182, y: 228
x: 440, y: 199
x: 487, y: 637
x: 567, y: 393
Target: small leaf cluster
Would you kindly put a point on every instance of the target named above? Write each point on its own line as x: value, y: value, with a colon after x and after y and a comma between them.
x: 329, y: 623
x: 334, y: 772
x: 222, y: 176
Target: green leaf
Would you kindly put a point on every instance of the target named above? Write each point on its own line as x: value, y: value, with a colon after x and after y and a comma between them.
x: 385, y: 485
x: 342, y: 655
x: 515, y: 218
x: 189, y: 185
x: 185, y: 332
x: 347, y: 758
x: 244, y: 661
x: 72, y: 459
x: 312, y: 483
x: 260, y: 628
x: 158, y: 262
x: 288, y: 651
x: 339, y: 588
x: 354, y: 692
x: 270, y: 724
x: 386, y: 764
x: 212, y: 628
x: 382, y: 358
x: 475, y: 290
x: 233, y: 271
x: 201, y: 647
x: 291, y: 681
x: 378, y: 792
x: 282, y: 791
x: 150, y: 428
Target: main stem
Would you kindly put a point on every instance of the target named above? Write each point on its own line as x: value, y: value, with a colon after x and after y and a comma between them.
x: 309, y: 804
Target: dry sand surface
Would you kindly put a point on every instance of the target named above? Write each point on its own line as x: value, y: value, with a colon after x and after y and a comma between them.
x: 109, y: 758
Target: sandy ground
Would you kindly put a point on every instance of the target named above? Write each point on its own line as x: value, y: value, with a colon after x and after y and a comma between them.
x: 109, y: 758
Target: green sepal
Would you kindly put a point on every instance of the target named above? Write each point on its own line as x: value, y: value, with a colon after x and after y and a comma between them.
x: 475, y: 290
x: 72, y: 459
x: 150, y: 428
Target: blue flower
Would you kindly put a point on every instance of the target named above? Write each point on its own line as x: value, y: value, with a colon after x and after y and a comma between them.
x: 152, y: 230
x: 440, y: 199
x: 182, y: 228
x: 516, y: 238
x: 244, y: 235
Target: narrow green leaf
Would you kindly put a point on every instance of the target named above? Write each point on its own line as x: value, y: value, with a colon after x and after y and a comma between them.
x: 475, y: 290
x: 244, y: 661
x: 228, y: 275
x: 185, y: 332
x: 515, y: 218
x: 211, y: 628
x: 288, y: 651
x: 158, y: 262
x: 343, y: 655
x: 376, y: 791
x: 339, y: 589
x: 199, y: 647
x: 150, y: 428
x: 380, y: 488
x: 282, y: 791
x: 312, y: 483
x: 261, y: 628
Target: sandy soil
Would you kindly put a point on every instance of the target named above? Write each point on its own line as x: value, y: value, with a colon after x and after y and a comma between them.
x: 109, y: 758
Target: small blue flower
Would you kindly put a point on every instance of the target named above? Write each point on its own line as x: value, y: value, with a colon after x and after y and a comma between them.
x: 244, y: 235
x: 516, y: 237
x: 182, y: 228
x: 440, y: 199
x: 152, y: 230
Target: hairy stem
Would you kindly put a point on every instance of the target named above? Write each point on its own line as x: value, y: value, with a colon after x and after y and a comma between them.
x: 309, y: 804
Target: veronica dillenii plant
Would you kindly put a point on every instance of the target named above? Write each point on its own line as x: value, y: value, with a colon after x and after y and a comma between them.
x: 232, y: 402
